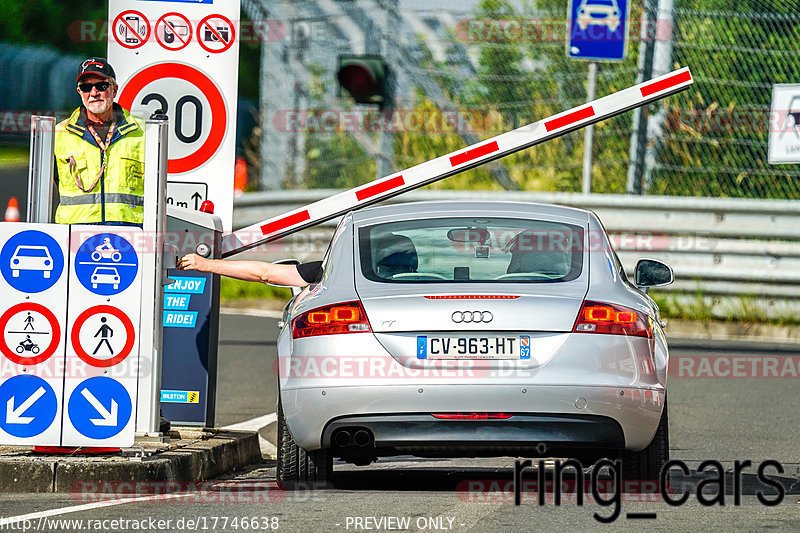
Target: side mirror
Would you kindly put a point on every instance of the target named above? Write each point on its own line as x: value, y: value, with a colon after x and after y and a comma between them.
x: 652, y: 273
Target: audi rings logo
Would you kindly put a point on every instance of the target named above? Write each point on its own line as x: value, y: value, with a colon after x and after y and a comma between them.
x: 471, y: 316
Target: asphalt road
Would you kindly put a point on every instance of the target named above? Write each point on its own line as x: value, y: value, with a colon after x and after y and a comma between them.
x: 718, y: 418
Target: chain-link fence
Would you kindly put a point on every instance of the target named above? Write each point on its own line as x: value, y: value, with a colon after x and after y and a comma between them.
x: 461, y: 74
x: 715, y: 136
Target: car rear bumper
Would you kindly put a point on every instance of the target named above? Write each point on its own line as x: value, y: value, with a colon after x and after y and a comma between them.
x: 569, y: 416
x: 521, y: 434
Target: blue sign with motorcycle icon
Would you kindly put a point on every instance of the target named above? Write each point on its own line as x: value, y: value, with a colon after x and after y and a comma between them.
x: 106, y: 264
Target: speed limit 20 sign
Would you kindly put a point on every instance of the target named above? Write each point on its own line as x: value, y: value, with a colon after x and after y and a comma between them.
x: 187, y: 67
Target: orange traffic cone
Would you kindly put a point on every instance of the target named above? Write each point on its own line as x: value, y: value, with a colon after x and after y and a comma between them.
x: 12, y: 211
x: 239, y: 176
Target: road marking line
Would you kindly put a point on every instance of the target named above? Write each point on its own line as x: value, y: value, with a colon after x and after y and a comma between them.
x: 254, y: 424
x: 87, y: 507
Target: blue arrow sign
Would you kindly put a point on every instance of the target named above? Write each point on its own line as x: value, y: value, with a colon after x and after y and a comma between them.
x: 598, y: 29
x: 106, y: 264
x: 31, y: 261
x: 99, y: 408
x: 28, y: 406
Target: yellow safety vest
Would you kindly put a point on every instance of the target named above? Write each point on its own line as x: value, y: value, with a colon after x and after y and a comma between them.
x: 119, y: 195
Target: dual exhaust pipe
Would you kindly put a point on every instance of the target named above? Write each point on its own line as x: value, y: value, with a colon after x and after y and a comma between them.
x: 347, y: 437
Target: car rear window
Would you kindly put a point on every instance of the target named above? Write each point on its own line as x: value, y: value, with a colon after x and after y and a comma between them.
x: 462, y: 250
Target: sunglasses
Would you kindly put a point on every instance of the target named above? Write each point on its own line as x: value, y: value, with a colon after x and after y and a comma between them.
x: 87, y: 87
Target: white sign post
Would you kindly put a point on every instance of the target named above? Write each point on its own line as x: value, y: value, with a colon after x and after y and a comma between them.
x: 784, y: 124
x: 187, y: 65
x: 33, y: 285
x: 102, y: 363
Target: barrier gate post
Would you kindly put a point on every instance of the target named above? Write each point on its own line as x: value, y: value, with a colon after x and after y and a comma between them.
x: 191, y: 322
x: 40, y: 169
x: 155, y: 221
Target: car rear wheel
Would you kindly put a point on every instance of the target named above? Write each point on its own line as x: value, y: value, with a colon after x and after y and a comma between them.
x: 647, y: 464
x: 296, y: 467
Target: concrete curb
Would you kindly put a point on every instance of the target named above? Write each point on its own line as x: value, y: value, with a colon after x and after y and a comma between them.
x: 191, y: 457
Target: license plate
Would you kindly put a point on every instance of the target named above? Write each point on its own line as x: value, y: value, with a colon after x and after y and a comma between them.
x: 507, y: 347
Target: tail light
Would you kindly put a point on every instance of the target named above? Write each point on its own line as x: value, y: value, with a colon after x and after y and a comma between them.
x: 611, y: 319
x: 331, y: 320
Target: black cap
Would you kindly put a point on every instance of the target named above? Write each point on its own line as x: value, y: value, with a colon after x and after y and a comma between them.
x: 98, y: 66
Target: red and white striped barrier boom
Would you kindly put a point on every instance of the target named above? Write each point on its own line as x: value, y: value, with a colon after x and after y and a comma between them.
x: 478, y: 154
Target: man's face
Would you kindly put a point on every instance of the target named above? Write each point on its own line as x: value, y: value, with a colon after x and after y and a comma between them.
x: 97, y: 102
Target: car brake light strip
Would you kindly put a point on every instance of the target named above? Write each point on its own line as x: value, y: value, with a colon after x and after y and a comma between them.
x: 456, y: 162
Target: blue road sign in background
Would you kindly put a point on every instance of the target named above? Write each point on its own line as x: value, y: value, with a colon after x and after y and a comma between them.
x: 597, y: 29
x: 106, y: 264
x: 99, y: 408
x: 29, y: 406
x: 31, y: 261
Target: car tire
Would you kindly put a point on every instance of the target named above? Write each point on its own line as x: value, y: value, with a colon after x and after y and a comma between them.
x: 646, y: 465
x: 296, y: 467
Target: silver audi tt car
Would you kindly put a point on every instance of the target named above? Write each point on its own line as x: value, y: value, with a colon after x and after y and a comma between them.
x: 466, y: 329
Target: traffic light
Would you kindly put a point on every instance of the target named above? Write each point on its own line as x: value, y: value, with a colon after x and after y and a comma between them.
x: 364, y: 77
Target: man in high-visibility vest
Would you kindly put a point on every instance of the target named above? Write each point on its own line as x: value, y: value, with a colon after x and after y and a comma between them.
x: 99, y: 153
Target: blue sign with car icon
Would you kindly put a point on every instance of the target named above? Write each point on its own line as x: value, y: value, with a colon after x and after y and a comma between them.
x: 106, y: 264
x: 597, y: 29
x: 31, y: 261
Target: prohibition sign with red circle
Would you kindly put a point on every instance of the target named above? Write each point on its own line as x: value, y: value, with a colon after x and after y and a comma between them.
x: 205, y: 24
x: 183, y: 41
x: 130, y: 335
x: 129, y: 29
x: 51, y: 319
x: 219, y: 114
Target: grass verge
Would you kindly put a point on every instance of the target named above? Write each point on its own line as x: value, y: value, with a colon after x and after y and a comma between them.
x: 234, y: 289
x: 699, y: 306
x: 13, y: 156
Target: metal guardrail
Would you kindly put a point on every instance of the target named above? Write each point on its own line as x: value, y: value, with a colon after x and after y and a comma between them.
x: 717, y: 246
